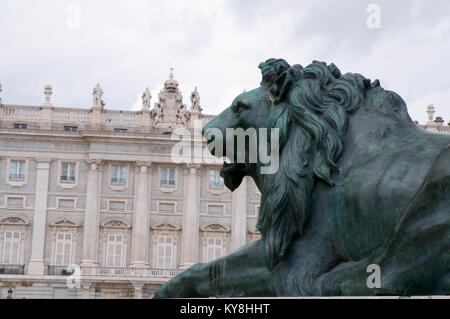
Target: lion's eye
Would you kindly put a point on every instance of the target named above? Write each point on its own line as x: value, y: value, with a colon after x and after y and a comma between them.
x: 241, y: 106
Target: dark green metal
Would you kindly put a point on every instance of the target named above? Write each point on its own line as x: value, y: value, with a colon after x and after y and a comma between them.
x: 358, y: 184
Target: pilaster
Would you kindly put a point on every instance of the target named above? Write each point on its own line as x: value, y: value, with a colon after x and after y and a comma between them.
x: 140, y: 232
x: 91, y: 216
x: 36, y: 263
x: 239, y: 216
x: 191, y: 216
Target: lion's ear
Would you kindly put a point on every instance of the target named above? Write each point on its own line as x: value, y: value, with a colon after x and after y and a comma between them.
x: 334, y: 70
x: 284, y: 84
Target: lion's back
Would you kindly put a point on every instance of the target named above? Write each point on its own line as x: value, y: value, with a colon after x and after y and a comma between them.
x: 371, y: 198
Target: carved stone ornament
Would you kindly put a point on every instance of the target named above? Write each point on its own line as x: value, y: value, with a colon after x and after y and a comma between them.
x: 115, y: 223
x: 170, y: 111
x: 14, y: 220
x: 215, y: 227
x: 165, y: 225
x: 64, y: 222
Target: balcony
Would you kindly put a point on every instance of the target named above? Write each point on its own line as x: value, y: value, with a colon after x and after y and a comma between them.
x: 152, y: 274
x: 164, y: 273
x: 12, y: 269
x: 59, y: 271
x: 156, y: 273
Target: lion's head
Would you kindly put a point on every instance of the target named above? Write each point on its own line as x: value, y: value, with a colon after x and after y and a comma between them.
x: 310, y: 106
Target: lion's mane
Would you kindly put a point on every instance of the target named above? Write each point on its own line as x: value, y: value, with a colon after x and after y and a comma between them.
x: 311, y: 110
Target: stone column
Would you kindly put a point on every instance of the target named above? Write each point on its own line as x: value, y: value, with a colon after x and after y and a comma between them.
x: 36, y: 263
x: 239, y: 216
x: 191, y: 216
x: 91, y: 215
x: 140, y: 232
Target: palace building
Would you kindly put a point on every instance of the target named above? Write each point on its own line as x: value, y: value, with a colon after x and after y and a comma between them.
x: 92, y: 204
x: 98, y: 188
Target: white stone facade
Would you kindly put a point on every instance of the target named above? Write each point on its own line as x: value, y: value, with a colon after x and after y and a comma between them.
x: 435, y: 125
x: 97, y: 188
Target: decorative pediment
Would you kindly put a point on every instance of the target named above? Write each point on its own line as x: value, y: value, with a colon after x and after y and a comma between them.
x: 64, y: 222
x: 170, y: 111
x: 14, y: 220
x: 115, y: 223
x: 165, y: 225
x: 215, y: 227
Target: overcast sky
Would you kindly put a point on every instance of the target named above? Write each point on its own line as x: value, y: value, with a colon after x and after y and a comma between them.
x: 216, y: 45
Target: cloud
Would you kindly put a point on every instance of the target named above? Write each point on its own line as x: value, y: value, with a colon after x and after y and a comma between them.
x: 216, y: 46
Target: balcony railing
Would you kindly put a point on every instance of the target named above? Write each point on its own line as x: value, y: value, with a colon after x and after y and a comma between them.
x: 12, y: 269
x: 164, y: 273
x: 129, y: 272
x: 59, y: 271
x: 116, y: 272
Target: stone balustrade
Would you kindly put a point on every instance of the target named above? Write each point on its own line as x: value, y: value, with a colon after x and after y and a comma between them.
x: 20, y: 112
x: 149, y: 273
x: 49, y: 117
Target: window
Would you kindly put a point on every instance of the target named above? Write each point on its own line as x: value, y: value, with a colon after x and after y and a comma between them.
x: 215, y: 180
x: 213, y: 248
x: 17, y: 171
x: 118, y: 174
x: 114, y: 248
x: 63, y: 249
x: 120, y: 130
x: 11, y: 248
x: 68, y: 173
x: 71, y: 128
x: 20, y: 126
x: 164, y: 252
x: 167, y: 176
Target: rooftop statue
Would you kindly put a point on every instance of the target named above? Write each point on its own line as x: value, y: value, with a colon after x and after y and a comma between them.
x: 146, y: 98
x: 359, y: 186
x: 97, y: 94
x: 195, y: 101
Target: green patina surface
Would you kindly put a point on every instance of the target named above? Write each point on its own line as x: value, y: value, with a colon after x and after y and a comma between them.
x: 358, y: 184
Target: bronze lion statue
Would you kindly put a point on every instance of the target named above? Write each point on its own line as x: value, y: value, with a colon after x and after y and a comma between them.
x: 358, y: 184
